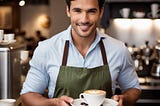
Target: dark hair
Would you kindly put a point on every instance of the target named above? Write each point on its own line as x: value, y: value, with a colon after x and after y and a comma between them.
x: 100, y: 3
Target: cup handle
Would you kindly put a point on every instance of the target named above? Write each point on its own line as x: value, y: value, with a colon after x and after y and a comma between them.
x: 158, y: 12
x: 121, y: 12
x: 149, y: 15
x: 81, y: 96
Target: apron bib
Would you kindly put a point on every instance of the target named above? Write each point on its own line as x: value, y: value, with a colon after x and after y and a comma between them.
x: 74, y: 80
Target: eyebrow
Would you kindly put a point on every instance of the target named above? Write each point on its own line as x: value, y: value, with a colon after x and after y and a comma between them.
x: 92, y: 9
x: 77, y: 9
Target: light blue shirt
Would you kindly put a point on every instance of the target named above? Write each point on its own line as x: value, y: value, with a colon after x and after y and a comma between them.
x: 47, y: 59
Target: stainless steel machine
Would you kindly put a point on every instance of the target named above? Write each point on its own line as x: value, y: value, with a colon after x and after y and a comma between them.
x: 10, y: 70
x: 155, y: 72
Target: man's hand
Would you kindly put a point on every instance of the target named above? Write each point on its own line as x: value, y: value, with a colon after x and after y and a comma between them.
x: 36, y: 99
x: 128, y: 97
x: 119, y: 99
x: 62, y: 101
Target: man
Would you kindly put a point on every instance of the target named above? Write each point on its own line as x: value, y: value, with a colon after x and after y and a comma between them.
x: 40, y: 36
x: 80, y: 58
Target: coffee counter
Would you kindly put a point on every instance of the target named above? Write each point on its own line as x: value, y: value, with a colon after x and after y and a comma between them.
x: 150, y: 91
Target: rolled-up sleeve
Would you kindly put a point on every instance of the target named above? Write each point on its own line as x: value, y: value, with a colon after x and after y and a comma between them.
x: 127, y: 77
x: 37, y: 77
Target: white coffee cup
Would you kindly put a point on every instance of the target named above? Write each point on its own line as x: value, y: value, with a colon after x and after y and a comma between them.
x: 24, y: 55
x: 125, y: 12
x: 78, y: 102
x: 138, y: 14
x: 110, y: 102
x: 154, y: 11
x: 1, y: 35
x: 93, y: 97
x: 7, y: 102
x: 9, y: 37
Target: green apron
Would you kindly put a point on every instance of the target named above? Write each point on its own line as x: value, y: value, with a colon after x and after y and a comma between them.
x: 74, y: 80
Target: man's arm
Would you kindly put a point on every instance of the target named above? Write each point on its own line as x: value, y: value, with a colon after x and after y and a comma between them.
x: 128, y: 98
x: 35, y: 99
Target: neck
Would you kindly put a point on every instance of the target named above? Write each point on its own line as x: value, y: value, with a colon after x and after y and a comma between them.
x: 83, y: 43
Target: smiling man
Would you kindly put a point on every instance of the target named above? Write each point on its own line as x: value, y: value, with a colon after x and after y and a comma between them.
x: 78, y: 59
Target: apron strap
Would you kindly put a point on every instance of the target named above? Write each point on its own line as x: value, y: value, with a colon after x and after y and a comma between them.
x: 103, y: 52
x: 66, y: 48
x: 65, y: 54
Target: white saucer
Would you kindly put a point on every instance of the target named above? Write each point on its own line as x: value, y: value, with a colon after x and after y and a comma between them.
x: 110, y: 102
x: 78, y: 102
x: 107, y: 102
x: 4, y: 42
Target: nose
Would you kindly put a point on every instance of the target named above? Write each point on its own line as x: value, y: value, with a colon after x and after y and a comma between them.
x: 84, y: 17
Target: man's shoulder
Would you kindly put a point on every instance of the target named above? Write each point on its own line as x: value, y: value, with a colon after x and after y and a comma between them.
x: 114, y: 45
x: 109, y: 40
x: 57, y: 38
x: 60, y: 35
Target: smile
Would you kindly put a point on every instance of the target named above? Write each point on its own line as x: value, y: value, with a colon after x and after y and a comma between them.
x: 84, y: 27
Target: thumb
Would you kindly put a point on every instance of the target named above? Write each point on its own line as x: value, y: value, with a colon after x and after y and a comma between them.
x: 115, y: 97
x: 119, y: 99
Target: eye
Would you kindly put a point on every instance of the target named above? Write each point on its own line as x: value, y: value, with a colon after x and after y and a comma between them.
x: 92, y: 11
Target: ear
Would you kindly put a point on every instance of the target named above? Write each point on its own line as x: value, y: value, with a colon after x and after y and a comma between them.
x: 67, y: 11
x: 102, y: 10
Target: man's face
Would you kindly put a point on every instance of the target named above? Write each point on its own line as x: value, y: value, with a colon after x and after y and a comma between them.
x: 84, y: 15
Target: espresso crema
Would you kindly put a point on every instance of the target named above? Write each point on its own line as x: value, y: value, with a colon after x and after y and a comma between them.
x: 94, y: 91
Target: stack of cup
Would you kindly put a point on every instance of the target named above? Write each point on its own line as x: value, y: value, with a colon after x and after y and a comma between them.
x: 24, y: 55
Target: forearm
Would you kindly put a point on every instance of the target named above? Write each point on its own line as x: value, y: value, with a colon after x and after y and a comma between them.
x: 127, y: 98
x: 131, y: 96
x: 34, y: 99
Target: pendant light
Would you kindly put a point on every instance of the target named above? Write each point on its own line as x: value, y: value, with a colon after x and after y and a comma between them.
x: 21, y: 2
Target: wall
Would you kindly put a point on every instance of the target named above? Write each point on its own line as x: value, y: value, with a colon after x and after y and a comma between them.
x: 56, y: 12
x: 135, y: 31
x: 29, y: 19
x: 60, y: 21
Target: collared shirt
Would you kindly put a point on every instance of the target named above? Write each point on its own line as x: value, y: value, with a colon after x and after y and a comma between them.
x: 47, y: 59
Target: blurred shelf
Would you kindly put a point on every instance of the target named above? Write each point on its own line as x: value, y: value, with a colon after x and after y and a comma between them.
x: 148, y: 101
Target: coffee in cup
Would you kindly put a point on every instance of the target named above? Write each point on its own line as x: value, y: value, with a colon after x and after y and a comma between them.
x: 93, y: 97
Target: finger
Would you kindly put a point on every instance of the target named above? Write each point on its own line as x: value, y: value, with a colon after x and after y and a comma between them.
x: 119, y: 99
x: 120, y: 102
x: 116, y: 98
x: 66, y: 99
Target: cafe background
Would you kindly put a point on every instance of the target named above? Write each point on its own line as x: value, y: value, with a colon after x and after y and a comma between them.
x: 141, y: 34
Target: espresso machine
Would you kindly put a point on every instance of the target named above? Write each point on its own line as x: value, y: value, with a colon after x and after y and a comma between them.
x: 10, y: 70
x: 147, y: 59
x: 143, y: 60
x: 155, y: 72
